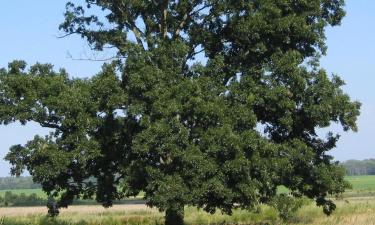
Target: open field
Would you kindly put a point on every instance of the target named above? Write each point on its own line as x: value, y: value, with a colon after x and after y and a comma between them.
x: 357, y: 207
x: 352, y: 212
x: 362, y: 186
x: 362, y: 182
x: 38, y: 192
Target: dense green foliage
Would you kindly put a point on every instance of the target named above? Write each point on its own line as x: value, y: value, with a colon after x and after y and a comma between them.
x: 209, y: 103
x: 359, y: 167
x: 10, y: 183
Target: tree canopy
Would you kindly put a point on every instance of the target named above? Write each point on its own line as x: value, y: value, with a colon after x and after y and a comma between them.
x: 208, y: 103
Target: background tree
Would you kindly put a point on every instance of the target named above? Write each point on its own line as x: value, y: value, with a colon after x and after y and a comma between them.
x: 207, y: 103
x: 11, y: 183
x: 359, y: 167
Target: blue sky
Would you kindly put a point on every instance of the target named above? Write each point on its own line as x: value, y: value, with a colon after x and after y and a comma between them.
x: 29, y: 30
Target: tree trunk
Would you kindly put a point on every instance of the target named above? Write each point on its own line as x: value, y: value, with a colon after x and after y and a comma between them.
x: 174, y: 216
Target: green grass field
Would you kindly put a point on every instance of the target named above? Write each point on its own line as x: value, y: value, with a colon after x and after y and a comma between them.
x: 362, y: 183
x: 38, y: 192
x: 362, y: 186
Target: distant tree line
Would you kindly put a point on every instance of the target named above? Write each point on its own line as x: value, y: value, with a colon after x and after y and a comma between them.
x: 12, y: 183
x: 359, y: 167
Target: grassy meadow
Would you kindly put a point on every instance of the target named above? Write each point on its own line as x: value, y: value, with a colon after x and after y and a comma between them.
x: 363, y: 186
x: 38, y: 192
x: 362, y: 182
x: 357, y: 207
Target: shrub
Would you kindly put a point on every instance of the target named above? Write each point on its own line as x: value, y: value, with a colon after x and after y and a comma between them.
x: 287, y: 205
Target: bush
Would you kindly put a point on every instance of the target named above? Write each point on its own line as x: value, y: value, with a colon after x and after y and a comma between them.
x: 287, y: 206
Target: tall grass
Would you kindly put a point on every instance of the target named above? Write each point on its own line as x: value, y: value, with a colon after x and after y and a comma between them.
x: 358, y: 212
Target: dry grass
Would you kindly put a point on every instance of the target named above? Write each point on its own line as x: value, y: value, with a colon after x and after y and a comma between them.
x: 73, y: 210
x: 355, y: 211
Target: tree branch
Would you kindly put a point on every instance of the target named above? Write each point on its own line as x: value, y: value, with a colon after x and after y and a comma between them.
x: 95, y: 60
x: 147, y: 31
x: 137, y: 32
x: 65, y: 35
x: 155, y: 3
x: 202, y: 8
x: 190, y: 55
x: 131, y: 26
x: 181, y: 25
x: 188, y: 14
x: 164, y: 24
x: 49, y: 125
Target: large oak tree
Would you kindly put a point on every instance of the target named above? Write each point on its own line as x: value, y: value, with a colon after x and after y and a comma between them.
x: 207, y: 103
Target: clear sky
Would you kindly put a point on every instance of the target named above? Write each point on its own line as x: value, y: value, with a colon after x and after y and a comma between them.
x: 29, y: 30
